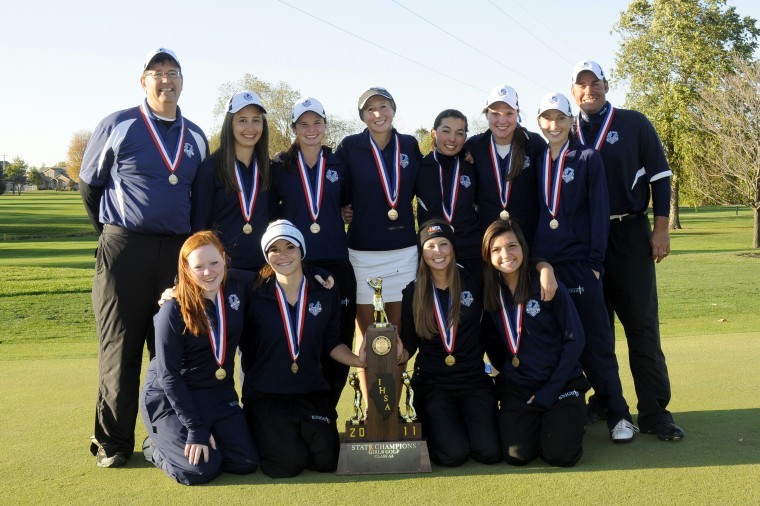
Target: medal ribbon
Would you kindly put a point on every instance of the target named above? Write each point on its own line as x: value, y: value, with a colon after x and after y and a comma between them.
x: 391, y: 191
x: 218, y: 339
x: 293, y: 334
x: 449, y: 215
x: 313, y: 195
x: 448, y: 334
x: 247, y: 203
x: 602, y: 135
x: 171, y: 165
x: 513, y: 337
x: 553, y: 182
x: 504, y: 186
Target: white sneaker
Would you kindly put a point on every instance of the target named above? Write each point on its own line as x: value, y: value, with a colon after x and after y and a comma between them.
x: 623, y: 431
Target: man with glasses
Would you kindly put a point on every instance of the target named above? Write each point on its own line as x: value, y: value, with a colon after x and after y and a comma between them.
x: 135, y: 181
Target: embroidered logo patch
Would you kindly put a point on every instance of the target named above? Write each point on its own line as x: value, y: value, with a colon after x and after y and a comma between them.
x: 234, y: 301
x: 189, y: 150
x: 331, y: 175
x: 467, y: 298
x: 612, y: 137
x: 568, y: 174
x: 533, y: 307
x: 404, y: 160
x: 465, y: 181
x: 315, y: 308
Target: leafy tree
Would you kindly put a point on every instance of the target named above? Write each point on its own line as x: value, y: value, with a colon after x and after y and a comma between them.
x: 731, y: 174
x: 75, y: 153
x: 15, y: 173
x: 34, y: 177
x: 3, y: 165
x: 671, y: 51
x: 338, y: 128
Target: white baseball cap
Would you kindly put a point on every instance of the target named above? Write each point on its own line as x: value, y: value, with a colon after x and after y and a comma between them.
x: 282, y: 229
x: 589, y: 65
x: 304, y: 105
x: 160, y: 50
x: 371, y: 92
x: 242, y: 99
x: 506, y: 94
x: 556, y: 101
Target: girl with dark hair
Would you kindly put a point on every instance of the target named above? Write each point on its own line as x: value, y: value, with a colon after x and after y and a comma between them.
x: 292, y: 324
x: 309, y: 184
x: 189, y: 404
x: 440, y: 321
x: 505, y: 159
x: 572, y: 232
x: 536, y: 345
x: 231, y: 190
x: 447, y: 188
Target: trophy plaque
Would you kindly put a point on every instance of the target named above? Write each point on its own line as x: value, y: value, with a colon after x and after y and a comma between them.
x: 382, y: 440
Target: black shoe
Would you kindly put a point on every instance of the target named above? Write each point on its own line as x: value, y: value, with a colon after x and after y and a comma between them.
x: 594, y: 411
x: 667, y: 431
x: 118, y: 459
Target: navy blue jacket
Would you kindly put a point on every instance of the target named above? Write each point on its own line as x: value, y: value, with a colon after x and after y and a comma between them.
x: 550, y: 348
x: 523, y: 200
x: 181, y: 377
x: 583, y: 214
x: 330, y: 244
x: 633, y: 160
x: 467, y: 234
x: 125, y: 180
x: 430, y: 370
x: 216, y: 209
x: 266, y: 356
x: 371, y: 229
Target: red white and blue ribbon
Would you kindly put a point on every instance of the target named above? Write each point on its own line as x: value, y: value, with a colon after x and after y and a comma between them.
x: 313, y: 195
x: 513, y: 333
x: 553, y: 182
x: 449, y: 213
x: 602, y: 135
x: 391, y: 190
x: 247, y: 202
x: 293, y: 330
x: 170, y: 164
x: 448, y: 334
x: 503, y: 185
x: 218, y: 338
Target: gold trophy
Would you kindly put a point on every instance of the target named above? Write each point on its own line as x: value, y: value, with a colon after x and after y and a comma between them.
x: 382, y: 440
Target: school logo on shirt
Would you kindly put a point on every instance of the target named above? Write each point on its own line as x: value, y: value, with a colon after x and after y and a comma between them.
x: 315, y: 308
x: 568, y: 174
x: 404, y: 160
x: 576, y: 290
x: 533, y: 307
x: 526, y: 163
x: 612, y: 137
x: 189, y: 150
x: 465, y: 181
x: 331, y: 175
x: 467, y: 298
x: 234, y: 301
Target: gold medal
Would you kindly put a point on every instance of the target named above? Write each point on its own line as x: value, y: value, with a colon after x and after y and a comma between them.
x: 393, y: 214
x: 220, y: 374
x: 173, y: 179
x: 450, y: 360
x: 315, y: 228
x: 294, y: 368
x: 247, y: 228
x: 554, y: 224
x: 515, y: 361
x: 504, y: 215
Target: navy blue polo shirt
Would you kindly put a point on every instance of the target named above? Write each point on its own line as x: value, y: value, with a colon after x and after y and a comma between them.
x: 371, y: 228
x: 123, y: 159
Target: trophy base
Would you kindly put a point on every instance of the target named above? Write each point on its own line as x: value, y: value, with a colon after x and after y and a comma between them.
x: 383, y: 457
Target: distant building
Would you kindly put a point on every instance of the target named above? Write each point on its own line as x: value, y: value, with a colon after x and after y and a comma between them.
x: 55, y: 178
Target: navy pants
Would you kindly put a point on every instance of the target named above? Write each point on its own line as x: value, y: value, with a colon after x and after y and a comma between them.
x: 131, y: 271
x: 553, y: 433
x: 630, y: 286
x: 459, y: 424
x: 235, y: 452
x: 598, y: 359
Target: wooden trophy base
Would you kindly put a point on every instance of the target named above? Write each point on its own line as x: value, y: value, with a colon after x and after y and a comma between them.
x: 358, y: 455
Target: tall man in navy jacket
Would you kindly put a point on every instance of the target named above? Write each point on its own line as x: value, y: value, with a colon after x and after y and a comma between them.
x: 135, y: 181
x: 635, y: 166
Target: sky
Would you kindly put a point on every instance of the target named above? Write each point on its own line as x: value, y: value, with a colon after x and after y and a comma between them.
x: 85, y: 57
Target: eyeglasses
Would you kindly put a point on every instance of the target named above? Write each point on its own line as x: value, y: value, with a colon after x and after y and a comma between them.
x: 172, y: 74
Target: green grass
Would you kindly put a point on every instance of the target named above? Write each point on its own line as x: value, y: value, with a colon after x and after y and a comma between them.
x: 48, y: 383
